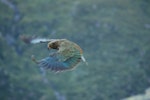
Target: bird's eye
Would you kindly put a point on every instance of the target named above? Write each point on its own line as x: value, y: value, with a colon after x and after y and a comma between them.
x: 53, y: 44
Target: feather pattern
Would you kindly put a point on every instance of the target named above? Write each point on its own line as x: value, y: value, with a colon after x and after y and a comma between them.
x: 68, y: 54
x: 53, y: 63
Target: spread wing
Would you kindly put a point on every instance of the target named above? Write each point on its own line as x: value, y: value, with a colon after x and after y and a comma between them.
x: 54, y: 63
x: 34, y: 39
x: 68, y: 54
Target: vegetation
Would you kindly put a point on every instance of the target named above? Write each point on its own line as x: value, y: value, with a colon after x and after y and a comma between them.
x: 115, y: 37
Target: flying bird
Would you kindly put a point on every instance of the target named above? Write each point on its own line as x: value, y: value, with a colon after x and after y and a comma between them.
x: 66, y: 57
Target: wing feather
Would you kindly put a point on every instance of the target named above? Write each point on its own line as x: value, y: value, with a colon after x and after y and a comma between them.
x: 53, y: 63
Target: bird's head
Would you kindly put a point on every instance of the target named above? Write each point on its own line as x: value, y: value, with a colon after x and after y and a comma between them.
x: 53, y: 45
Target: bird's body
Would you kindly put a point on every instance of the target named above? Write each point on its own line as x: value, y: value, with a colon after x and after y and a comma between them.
x: 68, y: 54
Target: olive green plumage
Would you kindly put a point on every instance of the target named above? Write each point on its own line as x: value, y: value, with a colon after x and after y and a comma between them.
x: 68, y: 54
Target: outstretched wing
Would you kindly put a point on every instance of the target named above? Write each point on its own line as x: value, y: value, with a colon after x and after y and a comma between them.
x: 68, y: 54
x: 34, y: 39
x: 55, y: 64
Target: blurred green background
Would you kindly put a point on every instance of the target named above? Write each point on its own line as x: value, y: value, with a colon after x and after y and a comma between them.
x: 115, y: 37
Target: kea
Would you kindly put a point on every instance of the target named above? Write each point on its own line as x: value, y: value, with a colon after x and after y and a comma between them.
x: 66, y: 57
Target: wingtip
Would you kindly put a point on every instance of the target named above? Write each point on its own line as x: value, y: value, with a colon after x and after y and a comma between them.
x: 27, y: 39
x: 33, y: 59
x: 40, y: 40
x: 34, y: 39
